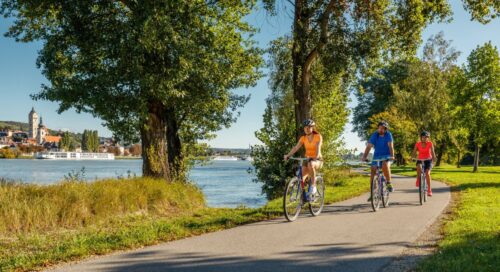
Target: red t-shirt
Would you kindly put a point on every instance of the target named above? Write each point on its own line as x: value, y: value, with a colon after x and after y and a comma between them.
x: 424, y: 153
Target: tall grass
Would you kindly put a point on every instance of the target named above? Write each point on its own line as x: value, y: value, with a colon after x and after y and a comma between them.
x: 29, y: 208
x: 45, y: 225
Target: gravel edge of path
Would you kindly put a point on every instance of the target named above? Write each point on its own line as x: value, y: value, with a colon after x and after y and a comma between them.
x: 427, y: 243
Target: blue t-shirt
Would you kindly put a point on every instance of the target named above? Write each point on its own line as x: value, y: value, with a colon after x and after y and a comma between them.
x: 381, y: 144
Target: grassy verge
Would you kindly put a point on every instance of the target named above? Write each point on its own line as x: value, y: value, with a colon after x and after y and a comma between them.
x: 472, y: 234
x: 72, y: 220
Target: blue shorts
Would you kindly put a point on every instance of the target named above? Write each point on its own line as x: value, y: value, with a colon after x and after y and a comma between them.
x: 374, y: 163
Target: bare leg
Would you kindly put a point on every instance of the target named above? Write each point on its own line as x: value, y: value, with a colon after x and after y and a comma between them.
x: 373, y: 172
x: 419, y: 170
x: 428, y: 177
x: 313, y: 166
x: 386, y: 168
x: 305, y: 172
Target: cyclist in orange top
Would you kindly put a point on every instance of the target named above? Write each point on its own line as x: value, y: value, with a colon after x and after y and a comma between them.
x: 312, y: 142
x: 425, y: 150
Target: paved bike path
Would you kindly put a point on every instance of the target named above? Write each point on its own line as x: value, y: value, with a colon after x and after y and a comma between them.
x: 347, y: 236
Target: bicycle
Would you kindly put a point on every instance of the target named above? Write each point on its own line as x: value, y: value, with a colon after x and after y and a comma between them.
x: 295, y: 195
x: 422, y: 187
x: 378, y: 188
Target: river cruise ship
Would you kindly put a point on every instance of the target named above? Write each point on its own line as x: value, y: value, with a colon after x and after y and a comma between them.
x: 74, y: 156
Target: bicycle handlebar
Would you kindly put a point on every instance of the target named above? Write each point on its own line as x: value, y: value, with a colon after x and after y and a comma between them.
x: 379, y: 160
x: 298, y: 159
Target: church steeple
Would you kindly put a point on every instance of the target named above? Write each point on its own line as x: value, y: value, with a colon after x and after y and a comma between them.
x: 33, y: 123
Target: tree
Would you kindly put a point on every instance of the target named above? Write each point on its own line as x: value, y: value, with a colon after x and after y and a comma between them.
x: 90, y: 141
x: 476, y: 88
x: 415, y: 91
x: 66, y: 142
x: 354, y: 34
x: 329, y: 101
x: 94, y: 141
x: 84, y: 141
x: 423, y: 99
x: 375, y: 95
x: 161, y: 71
x: 402, y: 128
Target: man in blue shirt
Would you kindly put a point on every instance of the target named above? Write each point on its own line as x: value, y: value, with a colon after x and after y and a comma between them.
x: 384, y: 149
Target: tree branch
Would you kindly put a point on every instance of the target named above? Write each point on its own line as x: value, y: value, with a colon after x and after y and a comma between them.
x: 323, y: 39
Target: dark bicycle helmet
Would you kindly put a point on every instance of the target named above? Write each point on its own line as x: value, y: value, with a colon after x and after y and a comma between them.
x: 308, y: 123
x: 384, y: 124
x: 425, y: 134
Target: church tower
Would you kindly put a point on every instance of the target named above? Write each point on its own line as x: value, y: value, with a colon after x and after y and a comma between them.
x: 42, y: 132
x: 33, y: 123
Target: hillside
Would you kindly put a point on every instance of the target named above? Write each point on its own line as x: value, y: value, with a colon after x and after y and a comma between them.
x: 14, y: 125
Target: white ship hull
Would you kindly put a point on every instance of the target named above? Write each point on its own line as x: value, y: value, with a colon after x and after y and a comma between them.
x: 224, y: 158
x: 74, y: 156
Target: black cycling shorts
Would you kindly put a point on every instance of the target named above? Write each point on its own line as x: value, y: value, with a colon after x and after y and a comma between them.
x: 427, y: 164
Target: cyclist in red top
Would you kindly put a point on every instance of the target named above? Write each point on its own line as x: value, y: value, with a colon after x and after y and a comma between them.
x: 425, y: 150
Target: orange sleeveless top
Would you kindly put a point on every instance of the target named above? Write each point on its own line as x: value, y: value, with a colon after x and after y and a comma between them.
x: 311, y: 146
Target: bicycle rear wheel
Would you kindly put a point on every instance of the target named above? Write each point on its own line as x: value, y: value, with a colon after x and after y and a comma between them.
x: 375, y: 193
x: 292, y: 199
x: 421, y: 190
x: 318, y: 200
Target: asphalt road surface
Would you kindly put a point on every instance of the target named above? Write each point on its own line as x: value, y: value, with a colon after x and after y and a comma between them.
x: 347, y: 236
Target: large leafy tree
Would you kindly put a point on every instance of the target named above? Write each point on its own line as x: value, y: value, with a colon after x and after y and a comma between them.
x: 353, y: 34
x: 475, y: 90
x: 329, y: 101
x: 375, y: 95
x: 161, y: 71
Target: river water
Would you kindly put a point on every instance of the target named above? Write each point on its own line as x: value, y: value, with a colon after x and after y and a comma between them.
x: 224, y: 183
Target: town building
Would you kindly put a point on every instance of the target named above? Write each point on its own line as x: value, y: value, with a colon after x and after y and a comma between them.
x: 38, y: 132
x: 33, y: 123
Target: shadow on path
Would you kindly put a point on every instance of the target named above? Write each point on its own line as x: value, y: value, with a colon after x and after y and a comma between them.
x: 314, y: 258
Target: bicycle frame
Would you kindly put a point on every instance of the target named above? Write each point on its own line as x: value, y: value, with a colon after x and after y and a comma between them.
x: 380, y: 175
x: 380, y: 193
x: 301, y: 195
x: 423, y: 179
x: 299, y: 175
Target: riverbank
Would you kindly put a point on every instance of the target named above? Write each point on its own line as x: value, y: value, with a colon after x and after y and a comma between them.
x: 155, y: 212
x: 471, y: 234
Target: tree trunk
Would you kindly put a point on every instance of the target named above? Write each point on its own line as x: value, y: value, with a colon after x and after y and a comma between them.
x: 174, y: 147
x: 476, y: 157
x: 154, y: 143
x: 442, y: 147
x: 301, y: 67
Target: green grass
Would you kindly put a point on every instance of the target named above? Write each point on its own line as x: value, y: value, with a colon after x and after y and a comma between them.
x: 73, y: 220
x: 472, y: 234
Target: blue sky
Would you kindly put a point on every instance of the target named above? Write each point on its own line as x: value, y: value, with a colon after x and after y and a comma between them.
x: 19, y: 77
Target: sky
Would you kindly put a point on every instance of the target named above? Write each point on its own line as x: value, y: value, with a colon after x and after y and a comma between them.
x: 19, y: 77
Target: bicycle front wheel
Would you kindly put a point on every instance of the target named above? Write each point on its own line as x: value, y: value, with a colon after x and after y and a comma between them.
x: 318, y: 200
x: 384, y: 192
x: 292, y: 199
x: 421, y: 190
x: 375, y: 193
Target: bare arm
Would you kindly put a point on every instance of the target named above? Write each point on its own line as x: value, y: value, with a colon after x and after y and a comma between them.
x: 318, y: 147
x: 391, y: 149
x: 294, y: 149
x: 414, y: 153
x: 433, y: 154
x: 367, y: 150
